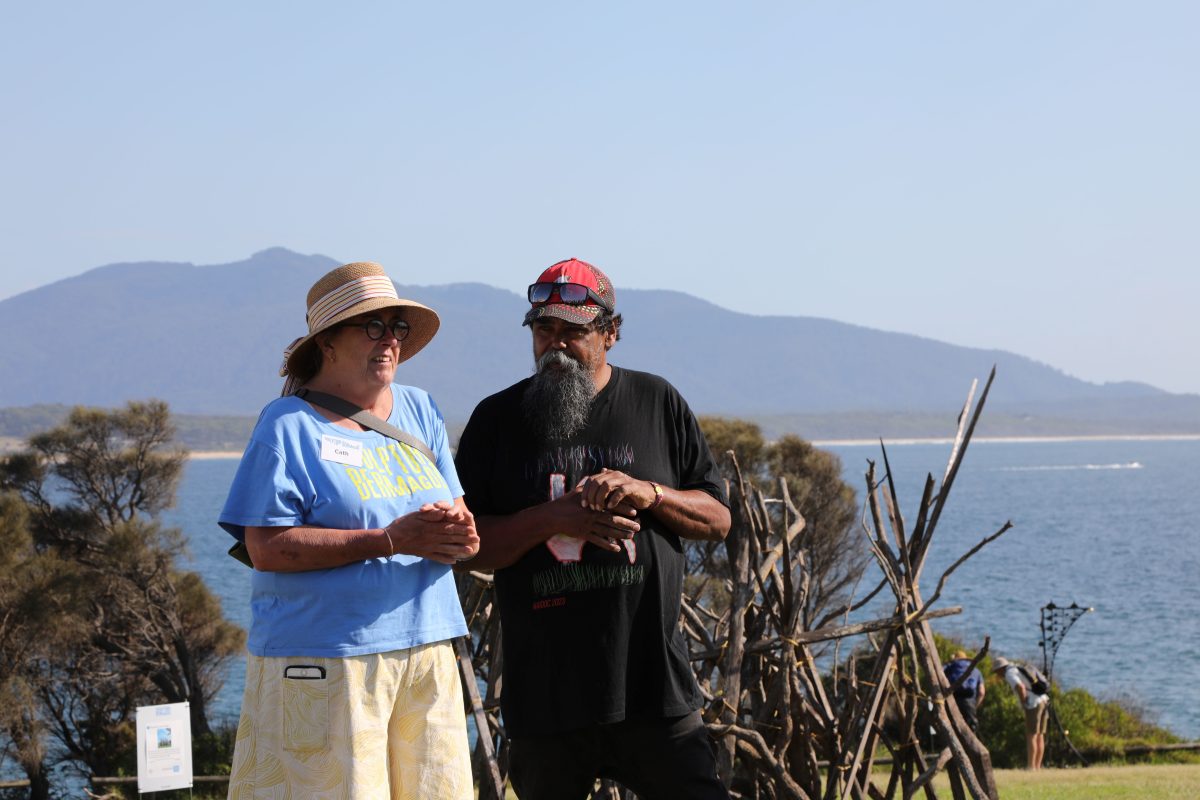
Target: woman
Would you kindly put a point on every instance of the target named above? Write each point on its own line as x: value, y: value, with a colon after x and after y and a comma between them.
x: 1036, y: 707
x: 352, y: 687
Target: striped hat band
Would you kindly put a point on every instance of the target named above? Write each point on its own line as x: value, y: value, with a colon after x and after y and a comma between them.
x: 347, y: 296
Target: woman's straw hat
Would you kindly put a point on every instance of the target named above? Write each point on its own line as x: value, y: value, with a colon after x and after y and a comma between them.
x: 347, y: 291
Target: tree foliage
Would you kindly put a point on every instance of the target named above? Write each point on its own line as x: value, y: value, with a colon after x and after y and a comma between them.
x: 195, y: 431
x: 98, y: 619
x: 814, y: 482
x: 37, y: 592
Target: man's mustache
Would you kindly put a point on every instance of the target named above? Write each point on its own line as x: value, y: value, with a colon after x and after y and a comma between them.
x: 557, y: 358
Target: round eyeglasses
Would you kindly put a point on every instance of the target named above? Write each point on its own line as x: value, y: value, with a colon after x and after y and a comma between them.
x: 375, y: 328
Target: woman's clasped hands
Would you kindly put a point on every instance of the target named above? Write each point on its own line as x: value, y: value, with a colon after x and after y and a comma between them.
x: 443, y: 531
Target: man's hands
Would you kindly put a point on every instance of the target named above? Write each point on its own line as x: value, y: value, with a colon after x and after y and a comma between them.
x: 689, y: 513
x: 609, y: 490
x: 442, y: 531
x: 604, y: 527
x: 603, y: 508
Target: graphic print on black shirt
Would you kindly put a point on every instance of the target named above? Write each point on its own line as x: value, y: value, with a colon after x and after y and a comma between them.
x: 569, y: 549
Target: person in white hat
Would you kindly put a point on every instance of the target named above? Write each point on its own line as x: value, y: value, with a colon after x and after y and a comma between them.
x: 352, y: 687
x: 585, y: 478
x: 1035, y: 706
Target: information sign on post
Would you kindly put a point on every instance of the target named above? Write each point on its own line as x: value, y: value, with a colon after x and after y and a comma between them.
x: 164, y: 754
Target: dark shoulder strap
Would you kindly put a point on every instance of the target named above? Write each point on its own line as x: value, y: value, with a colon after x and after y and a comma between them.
x: 1031, y: 673
x: 365, y: 418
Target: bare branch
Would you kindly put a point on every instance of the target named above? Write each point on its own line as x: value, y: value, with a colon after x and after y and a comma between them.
x: 962, y: 559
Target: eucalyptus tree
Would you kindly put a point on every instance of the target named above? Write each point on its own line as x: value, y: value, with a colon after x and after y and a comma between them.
x: 129, y: 627
x: 814, y: 483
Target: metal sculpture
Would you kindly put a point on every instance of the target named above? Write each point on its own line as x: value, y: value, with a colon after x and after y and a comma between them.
x: 1056, y: 621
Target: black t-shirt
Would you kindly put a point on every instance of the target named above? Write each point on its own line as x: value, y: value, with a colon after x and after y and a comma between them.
x: 590, y: 636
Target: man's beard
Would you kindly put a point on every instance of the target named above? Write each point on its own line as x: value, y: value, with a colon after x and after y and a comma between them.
x: 557, y: 401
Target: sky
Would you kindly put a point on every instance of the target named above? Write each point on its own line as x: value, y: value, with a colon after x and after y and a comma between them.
x: 1020, y: 175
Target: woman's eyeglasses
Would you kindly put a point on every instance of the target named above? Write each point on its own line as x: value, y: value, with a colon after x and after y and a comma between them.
x: 375, y: 328
x: 572, y: 294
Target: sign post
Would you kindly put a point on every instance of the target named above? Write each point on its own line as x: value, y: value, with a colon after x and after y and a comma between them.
x: 164, y: 753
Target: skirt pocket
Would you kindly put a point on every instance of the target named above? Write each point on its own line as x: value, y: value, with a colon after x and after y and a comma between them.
x: 305, y: 708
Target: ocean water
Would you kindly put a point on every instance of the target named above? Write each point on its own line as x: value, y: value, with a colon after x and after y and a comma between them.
x: 1110, y: 525
x: 1107, y: 524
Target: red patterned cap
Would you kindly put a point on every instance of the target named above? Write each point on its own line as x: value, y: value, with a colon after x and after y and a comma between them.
x: 579, y: 272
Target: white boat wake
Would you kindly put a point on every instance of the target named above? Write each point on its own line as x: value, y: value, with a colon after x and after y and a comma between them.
x: 1067, y: 467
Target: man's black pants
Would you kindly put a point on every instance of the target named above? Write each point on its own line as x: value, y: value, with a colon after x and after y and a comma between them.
x: 966, y: 706
x: 664, y: 759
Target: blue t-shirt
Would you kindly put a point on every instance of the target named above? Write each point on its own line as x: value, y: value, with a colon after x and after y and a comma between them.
x: 300, y: 469
x: 970, y: 685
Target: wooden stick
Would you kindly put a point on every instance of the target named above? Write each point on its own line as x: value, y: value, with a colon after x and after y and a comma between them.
x: 482, y: 729
x: 942, y: 581
x: 835, y: 632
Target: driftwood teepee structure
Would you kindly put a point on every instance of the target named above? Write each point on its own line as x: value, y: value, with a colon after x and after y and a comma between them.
x: 785, y: 728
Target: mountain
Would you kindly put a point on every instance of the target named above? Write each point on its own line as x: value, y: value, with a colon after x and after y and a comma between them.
x: 209, y: 339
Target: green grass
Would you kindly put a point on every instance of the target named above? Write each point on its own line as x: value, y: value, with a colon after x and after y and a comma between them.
x: 1143, y: 782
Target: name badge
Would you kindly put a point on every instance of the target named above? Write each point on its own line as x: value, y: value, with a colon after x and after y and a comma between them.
x: 341, y: 451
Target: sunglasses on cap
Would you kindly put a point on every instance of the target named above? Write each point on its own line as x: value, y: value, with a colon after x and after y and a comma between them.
x: 572, y: 294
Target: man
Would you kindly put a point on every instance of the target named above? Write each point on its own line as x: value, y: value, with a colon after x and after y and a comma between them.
x: 1036, y: 707
x: 969, y: 694
x: 583, y: 480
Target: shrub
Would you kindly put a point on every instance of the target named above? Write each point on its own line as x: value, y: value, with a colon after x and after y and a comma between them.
x: 1100, y: 729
